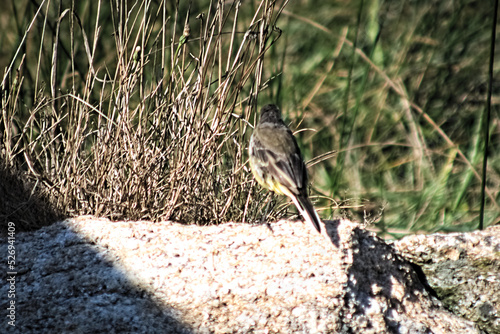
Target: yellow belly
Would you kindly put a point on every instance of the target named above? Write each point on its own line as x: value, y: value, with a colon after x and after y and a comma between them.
x: 267, y: 181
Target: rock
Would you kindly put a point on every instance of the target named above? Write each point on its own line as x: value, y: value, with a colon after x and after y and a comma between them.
x: 464, y: 271
x: 88, y: 275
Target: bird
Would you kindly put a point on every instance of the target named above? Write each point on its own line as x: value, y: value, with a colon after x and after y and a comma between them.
x: 277, y: 164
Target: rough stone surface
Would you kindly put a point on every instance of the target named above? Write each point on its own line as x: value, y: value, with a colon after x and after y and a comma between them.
x: 463, y: 269
x: 87, y: 275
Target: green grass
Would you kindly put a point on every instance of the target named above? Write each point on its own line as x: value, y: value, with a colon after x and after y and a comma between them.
x: 397, y: 89
x: 409, y: 131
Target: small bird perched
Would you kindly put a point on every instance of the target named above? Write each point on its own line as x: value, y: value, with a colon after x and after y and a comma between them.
x: 277, y: 164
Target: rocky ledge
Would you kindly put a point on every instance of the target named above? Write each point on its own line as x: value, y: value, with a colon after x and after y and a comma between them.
x: 88, y: 275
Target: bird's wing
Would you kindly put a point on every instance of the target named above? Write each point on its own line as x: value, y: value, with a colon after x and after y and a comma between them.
x: 277, y: 149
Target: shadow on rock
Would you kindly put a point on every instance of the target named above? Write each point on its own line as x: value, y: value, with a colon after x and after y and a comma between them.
x: 65, y: 284
x: 24, y: 202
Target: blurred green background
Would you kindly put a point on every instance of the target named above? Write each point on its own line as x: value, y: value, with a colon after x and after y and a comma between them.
x: 405, y: 113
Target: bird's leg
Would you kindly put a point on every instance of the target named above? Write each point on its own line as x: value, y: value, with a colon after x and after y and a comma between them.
x: 264, y: 217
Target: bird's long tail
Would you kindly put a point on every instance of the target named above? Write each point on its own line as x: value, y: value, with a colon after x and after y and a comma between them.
x: 307, y: 210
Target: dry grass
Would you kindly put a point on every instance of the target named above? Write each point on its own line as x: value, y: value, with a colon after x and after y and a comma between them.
x: 155, y: 130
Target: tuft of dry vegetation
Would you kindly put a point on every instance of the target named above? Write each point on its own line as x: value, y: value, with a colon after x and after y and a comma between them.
x: 149, y: 124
